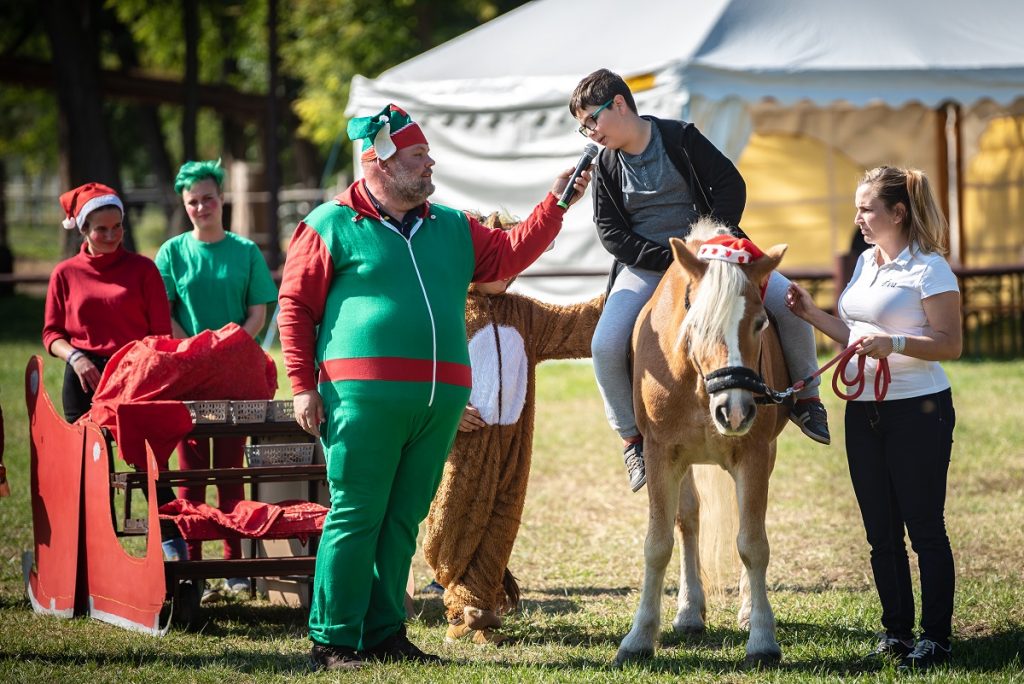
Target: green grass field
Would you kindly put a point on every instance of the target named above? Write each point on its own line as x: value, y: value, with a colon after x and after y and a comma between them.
x: 579, y: 558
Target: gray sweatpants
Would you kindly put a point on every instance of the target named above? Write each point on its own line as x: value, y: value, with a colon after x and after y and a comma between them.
x: 610, y: 346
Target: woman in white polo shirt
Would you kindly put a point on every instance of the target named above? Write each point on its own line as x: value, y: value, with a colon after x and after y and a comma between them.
x: 903, y: 300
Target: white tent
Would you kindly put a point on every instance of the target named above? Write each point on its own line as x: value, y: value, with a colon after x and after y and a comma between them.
x: 866, y: 78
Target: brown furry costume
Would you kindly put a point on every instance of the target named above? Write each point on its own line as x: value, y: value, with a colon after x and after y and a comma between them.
x: 475, y: 516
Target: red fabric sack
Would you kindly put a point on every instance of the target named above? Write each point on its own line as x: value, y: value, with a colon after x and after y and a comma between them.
x: 215, y: 364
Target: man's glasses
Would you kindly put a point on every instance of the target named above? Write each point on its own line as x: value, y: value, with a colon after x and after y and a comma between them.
x: 590, y: 123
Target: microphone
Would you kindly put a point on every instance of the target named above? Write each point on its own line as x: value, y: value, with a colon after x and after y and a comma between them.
x: 589, y: 152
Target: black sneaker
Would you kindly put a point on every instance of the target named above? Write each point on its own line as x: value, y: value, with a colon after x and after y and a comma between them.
x: 634, y: 458
x: 812, y: 418
x: 926, y: 655
x: 433, y: 588
x: 341, y: 658
x: 890, y: 649
x: 398, y: 647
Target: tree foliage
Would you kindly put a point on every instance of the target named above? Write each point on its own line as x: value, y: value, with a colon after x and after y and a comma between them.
x: 323, y: 43
x: 28, y: 117
x: 329, y: 41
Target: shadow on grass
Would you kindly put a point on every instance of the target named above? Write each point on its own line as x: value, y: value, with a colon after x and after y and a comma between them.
x: 718, y: 650
x: 247, y: 662
x: 431, y: 612
x: 569, y: 592
x: 686, y: 654
x: 14, y: 601
x: 252, y: 622
x: 996, y: 651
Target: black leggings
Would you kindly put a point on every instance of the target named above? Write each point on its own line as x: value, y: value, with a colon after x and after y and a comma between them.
x: 77, y: 403
x: 898, y: 452
x: 76, y: 400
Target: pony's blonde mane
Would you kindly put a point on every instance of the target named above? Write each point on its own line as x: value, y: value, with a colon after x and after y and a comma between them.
x: 721, y: 289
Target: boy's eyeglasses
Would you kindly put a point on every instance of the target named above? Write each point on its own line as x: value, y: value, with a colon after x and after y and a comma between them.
x: 590, y: 123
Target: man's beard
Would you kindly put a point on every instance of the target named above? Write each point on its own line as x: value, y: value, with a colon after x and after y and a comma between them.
x: 408, y: 187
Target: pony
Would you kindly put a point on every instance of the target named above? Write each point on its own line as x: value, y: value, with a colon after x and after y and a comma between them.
x: 696, y: 346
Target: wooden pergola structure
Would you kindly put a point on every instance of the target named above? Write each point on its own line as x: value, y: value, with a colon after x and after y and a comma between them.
x: 265, y: 110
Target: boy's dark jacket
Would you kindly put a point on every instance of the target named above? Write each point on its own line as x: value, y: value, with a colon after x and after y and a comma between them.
x: 717, y: 188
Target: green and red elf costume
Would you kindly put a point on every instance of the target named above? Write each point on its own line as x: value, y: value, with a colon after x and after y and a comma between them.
x: 375, y: 321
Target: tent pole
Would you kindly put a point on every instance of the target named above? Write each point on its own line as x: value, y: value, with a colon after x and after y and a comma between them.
x: 950, y: 181
x: 961, y: 248
x: 942, y: 158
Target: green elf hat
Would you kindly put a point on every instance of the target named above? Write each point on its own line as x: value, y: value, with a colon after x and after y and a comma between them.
x: 385, y: 133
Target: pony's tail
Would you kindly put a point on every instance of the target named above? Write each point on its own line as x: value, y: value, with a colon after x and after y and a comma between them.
x: 512, y: 593
x: 719, y: 527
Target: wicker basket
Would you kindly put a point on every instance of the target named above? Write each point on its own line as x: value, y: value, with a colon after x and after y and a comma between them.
x: 279, y: 454
x: 207, y: 411
x: 248, y: 411
x: 281, y: 411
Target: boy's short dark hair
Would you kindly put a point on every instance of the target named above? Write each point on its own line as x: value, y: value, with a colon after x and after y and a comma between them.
x: 597, y: 88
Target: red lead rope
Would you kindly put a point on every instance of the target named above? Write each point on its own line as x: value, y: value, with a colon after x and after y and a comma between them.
x: 882, y: 377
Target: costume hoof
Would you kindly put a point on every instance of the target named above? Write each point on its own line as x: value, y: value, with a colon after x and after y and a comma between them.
x: 480, y: 618
x: 480, y: 637
x: 624, y: 656
x: 757, y: 661
x: 490, y: 637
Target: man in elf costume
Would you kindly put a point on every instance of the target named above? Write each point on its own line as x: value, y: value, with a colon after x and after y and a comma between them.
x: 373, y: 332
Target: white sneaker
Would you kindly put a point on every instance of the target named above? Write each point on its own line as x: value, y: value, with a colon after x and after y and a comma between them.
x: 210, y: 595
x: 238, y: 585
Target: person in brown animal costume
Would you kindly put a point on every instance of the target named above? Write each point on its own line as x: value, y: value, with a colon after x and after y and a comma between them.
x: 475, y: 515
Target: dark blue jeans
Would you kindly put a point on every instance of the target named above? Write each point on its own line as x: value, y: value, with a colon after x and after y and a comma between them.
x: 898, y: 452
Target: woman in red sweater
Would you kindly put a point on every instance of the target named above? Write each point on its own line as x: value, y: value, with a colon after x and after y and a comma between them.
x: 100, y: 299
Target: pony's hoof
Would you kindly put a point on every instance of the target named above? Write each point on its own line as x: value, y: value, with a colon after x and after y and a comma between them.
x: 624, y: 656
x: 690, y: 628
x: 757, y: 661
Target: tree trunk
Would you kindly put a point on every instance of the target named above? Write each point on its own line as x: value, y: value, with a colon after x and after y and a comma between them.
x: 152, y: 132
x: 190, y: 16
x: 84, y: 145
x: 306, y: 160
x: 270, y: 150
x: 425, y: 24
x: 233, y: 138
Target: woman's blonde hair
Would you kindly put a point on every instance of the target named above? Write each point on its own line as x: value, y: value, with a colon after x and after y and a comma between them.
x: 923, y: 220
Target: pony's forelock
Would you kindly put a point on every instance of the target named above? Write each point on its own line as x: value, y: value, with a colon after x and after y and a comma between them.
x: 721, y: 289
x: 703, y: 229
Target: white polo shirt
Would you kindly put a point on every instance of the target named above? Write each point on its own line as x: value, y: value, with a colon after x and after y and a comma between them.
x: 887, y: 300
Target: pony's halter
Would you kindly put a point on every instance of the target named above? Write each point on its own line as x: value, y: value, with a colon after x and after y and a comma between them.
x: 741, y: 377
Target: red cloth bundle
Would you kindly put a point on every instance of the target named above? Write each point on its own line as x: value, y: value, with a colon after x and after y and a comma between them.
x: 215, y: 364
x: 250, y: 519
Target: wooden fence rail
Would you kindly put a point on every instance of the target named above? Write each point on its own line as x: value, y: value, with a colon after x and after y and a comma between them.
x: 993, y: 303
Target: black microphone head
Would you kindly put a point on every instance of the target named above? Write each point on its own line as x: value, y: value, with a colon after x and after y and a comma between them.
x: 590, y: 151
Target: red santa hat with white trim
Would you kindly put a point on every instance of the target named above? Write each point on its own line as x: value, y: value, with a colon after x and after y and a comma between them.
x: 729, y: 248
x: 83, y: 200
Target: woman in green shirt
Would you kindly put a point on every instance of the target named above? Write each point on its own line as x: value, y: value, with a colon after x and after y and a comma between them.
x: 213, y: 277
